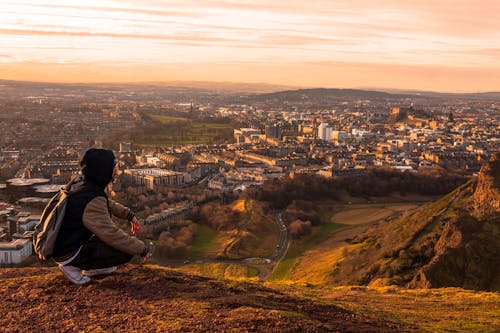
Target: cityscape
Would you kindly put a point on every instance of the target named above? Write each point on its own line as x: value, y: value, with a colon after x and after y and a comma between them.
x: 251, y: 138
x: 249, y: 166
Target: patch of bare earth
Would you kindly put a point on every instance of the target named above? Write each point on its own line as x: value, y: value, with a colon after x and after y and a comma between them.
x: 151, y: 299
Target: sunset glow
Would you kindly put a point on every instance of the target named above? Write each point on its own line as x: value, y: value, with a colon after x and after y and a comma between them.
x: 436, y: 45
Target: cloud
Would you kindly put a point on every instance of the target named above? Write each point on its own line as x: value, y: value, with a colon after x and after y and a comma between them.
x: 183, y: 37
x: 118, y: 9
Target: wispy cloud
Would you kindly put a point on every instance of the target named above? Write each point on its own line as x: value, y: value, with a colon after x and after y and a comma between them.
x: 182, y: 37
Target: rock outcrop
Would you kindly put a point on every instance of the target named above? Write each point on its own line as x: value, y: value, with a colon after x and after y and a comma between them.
x: 486, y: 197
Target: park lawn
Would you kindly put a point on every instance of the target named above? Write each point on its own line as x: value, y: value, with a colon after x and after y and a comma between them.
x: 169, y: 119
x: 188, y: 131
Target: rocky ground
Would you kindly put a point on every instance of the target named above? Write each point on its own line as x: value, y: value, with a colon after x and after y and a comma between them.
x: 153, y: 299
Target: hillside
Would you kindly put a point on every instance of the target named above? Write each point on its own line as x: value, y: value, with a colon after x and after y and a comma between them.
x: 325, y: 95
x: 452, y: 242
x: 153, y: 299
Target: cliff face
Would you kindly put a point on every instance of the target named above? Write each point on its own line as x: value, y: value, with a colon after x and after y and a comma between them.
x: 468, y: 251
x: 153, y: 299
x: 486, y: 197
x: 453, y: 242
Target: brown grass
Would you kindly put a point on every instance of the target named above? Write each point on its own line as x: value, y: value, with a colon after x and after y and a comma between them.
x: 445, y: 310
x: 426, y: 310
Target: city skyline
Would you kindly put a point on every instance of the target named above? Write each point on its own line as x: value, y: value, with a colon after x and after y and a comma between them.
x: 450, y: 46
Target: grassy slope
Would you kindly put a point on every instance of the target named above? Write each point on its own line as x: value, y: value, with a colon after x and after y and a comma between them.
x: 204, y: 240
x: 220, y: 270
x: 153, y: 299
x: 299, y: 247
x: 461, y: 250
x: 313, y: 259
x: 443, y: 310
x: 381, y: 248
x: 428, y: 310
x: 150, y: 298
x: 257, y: 235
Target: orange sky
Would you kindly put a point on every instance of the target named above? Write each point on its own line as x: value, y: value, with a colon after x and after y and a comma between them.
x: 451, y: 45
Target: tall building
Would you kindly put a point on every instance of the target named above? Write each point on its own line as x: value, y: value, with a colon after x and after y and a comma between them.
x: 273, y: 131
x: 325, y: 132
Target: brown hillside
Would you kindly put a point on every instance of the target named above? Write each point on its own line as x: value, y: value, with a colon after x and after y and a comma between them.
x: 452, y: 242
x: 152, y: 299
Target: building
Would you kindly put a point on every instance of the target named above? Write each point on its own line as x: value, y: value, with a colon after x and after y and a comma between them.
x: 273, y: 132
x: 27, y: 223
x: 171, y: 161
x: 325, y: 132
x: 125, y: 147
x: 395, y: 111
x: 157, y: 223
x: 16, y: 251
x: 246, y: 135
x: 339, y: 135
x: 154, y: 177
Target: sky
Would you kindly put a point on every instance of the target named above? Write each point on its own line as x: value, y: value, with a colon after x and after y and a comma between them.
x: 441, y: 45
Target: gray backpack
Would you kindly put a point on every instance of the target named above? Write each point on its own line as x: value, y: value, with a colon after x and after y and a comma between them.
x: 46, y: 231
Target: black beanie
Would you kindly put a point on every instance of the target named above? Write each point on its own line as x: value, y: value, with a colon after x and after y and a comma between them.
x: 97, y: 166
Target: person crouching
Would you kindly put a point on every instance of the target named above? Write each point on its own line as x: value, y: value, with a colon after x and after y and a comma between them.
x: 89, y: 243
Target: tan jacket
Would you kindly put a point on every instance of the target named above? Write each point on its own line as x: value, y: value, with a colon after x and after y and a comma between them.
x: 96, y: 218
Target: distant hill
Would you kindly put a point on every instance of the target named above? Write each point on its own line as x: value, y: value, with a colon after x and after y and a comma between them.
x: 220, y: 87
x: 333, y: 94
x: 453, y: 242
x: 259, y: 92
x: 322, y: 94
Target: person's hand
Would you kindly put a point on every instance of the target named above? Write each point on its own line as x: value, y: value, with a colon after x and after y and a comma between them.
x: 135, y: 226
x: 148, y: 252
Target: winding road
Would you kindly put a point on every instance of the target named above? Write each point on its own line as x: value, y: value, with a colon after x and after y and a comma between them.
x: 264, y: 265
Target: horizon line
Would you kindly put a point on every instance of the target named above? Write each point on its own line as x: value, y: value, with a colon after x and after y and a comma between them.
x: 292, y: 87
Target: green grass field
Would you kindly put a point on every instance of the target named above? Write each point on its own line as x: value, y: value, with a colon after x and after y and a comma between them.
x: 203, y: 240
x: 180, y: 130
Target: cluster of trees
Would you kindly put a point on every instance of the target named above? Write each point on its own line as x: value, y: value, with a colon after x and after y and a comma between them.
x: 216, y: 216
x: 177, y: 242
x: 302, y: 210
x: 376, y: 182
x: 299, y: 228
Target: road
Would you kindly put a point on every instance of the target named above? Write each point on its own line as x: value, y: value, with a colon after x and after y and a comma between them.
x: 264, y: 265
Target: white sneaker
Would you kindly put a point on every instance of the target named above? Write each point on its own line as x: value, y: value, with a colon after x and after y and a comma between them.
x: 74, y: 274
x: 99, y: 271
